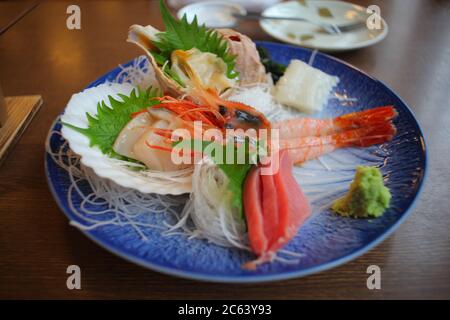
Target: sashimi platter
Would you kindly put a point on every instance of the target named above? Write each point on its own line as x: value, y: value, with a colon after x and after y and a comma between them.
x: 217, y: 158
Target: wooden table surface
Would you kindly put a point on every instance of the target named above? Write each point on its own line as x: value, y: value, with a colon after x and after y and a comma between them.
x: 39, y: 55
x: 11, y: 11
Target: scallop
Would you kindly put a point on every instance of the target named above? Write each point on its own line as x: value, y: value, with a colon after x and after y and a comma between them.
x: 153, y: 159
x: 130, y: 134
x: 134, y: 140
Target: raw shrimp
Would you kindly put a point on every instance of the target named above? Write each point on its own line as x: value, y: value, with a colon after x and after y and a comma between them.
x: 309, y: 127
x: 235, y: 114
x: 307, y: 148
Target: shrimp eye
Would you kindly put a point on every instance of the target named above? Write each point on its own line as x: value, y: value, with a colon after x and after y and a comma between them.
x: 222, y: 110
x: 247, y: 117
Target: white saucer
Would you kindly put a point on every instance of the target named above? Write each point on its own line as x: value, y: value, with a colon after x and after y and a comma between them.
x: 214, y: 14
x: 306, y: 34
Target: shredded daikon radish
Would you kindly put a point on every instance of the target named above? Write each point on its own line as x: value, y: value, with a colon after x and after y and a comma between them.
x: 139, y: 73
x: 260, y: 98
x: 209, y: 209
x: 106, y: 203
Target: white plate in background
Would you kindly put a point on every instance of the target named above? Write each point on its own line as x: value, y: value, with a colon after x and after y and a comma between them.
x: 214, y: 14
x: 322, y: 11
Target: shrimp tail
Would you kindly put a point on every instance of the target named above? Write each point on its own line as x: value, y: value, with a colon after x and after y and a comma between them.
x: 366, y: 136
x: 309, y: 148
x: 366, y: 118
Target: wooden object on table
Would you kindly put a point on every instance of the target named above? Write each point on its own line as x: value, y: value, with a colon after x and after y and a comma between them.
x: 3, y: 112
x: 16, y: 115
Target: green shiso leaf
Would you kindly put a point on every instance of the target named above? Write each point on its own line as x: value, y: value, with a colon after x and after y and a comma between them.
x: 104, y: 127
x: 236, y: 172
x: 173, y: 75
x: 182, y: 35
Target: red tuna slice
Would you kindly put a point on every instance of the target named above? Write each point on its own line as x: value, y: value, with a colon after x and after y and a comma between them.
x: 275, y: 208
x: 269, y: 206
x: 253, y: 211
x: 293, y: 206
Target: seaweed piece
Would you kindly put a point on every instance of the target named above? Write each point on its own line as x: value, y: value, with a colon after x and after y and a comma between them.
x: 276, y: 69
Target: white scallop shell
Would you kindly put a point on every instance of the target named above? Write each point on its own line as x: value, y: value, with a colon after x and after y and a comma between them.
x: 145, y: 181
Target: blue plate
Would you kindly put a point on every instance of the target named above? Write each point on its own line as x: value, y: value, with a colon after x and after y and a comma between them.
x: 325, y: 240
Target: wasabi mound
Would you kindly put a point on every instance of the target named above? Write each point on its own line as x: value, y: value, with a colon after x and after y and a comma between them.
x: 368, y: 197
